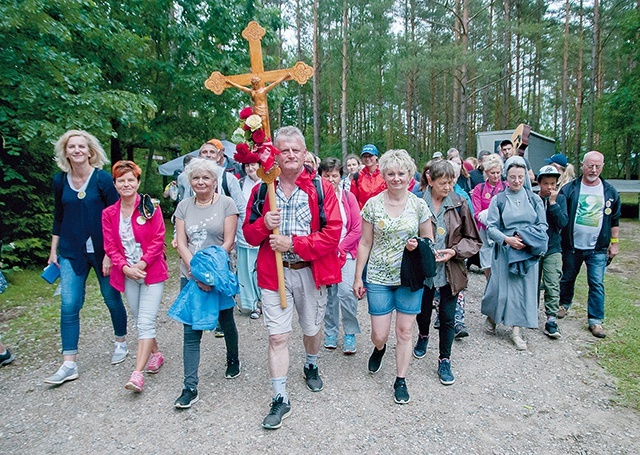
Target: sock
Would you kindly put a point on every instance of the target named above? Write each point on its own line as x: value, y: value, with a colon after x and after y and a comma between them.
x: 551, y: 319
x: 311, y: 360
x: 121, y: 344
x: 3, y: 353
x: 280, y: 388
x: 69, y: 364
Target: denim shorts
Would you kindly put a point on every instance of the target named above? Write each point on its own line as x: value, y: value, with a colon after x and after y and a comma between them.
x: 384, y: 299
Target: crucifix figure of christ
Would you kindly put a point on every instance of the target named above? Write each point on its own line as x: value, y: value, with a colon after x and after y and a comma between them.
x: 254, y: 82
x: 256, y: 79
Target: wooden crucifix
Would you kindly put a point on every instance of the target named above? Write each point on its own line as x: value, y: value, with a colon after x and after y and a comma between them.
x: 254, y: 84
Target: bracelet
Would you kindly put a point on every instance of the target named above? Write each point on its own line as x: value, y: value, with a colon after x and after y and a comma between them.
x: 615, y: 240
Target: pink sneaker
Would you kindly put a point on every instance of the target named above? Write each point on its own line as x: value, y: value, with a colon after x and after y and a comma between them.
x: 136, y: 382
x: 155, y: 362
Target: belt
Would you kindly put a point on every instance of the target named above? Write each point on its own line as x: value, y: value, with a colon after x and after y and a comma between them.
x: 296, y: 265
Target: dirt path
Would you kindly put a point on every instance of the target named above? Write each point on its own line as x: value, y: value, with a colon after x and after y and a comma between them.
x: 550, y: 399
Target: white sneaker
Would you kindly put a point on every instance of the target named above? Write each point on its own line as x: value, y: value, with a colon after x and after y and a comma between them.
x: 119, y: 354
x: 64, y: 374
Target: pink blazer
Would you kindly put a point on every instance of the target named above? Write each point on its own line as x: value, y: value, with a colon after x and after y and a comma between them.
x: 354, y: 223
x: 149, y: 235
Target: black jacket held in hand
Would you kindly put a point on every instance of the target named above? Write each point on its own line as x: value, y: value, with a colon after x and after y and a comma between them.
x: 417, y: 265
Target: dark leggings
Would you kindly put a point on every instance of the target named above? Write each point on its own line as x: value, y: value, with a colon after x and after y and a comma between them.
x: 191, y: 344
x: 447, y: 314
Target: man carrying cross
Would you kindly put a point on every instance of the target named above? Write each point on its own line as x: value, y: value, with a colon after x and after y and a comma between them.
x: 308, y: 216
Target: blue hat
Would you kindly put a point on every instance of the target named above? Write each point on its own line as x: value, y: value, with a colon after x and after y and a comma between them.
x: 369, y: 148
x: 558, y: 158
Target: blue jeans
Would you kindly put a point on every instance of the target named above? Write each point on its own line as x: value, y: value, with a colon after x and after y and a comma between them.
x: 72, y: 293
x: 384, y: 299
x: 596, y: 262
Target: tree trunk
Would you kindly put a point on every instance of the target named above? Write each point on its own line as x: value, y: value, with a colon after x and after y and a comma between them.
x: 506, y: 84
x: 299, y: 39
x: 316, y: 80
x: 565, y: 81
x: 578, y: 128
x: 464, y: 42
x: 116, y: 147
x: 594, y: 75
x: 345, y: 68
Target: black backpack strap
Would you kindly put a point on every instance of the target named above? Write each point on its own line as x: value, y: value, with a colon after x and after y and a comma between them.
x: 225, y: 185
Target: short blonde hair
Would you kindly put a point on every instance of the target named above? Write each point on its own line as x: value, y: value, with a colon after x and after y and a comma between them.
x: 490, y: 162
x: 200, y: 164
x: 97, y: 157
x: 397, y: 158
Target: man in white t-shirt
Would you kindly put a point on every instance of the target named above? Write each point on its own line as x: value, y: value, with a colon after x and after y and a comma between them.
x: 591, y: 236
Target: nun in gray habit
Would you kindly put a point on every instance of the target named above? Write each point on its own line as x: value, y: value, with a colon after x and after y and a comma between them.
x: 516, y: 222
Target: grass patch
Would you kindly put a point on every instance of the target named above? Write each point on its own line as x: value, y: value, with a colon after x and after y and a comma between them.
x: 30, y: 313
x: 619, y: 353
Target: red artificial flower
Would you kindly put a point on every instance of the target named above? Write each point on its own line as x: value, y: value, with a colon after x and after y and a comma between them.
x: 245, y: 113
x: 267, y: 153
x: 245, y: 127
x: 258, y: 136
x: 243, y: 154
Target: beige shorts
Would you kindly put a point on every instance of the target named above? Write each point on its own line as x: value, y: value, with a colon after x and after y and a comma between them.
x: 309, y: 302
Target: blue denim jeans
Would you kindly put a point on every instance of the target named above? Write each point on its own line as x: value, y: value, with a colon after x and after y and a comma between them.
x: 596, y: 262
x: 72, y: 293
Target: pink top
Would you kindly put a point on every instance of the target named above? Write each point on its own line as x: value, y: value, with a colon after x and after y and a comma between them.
x: 150, y: 236
x: 354, y: 224
x: 481, y: 198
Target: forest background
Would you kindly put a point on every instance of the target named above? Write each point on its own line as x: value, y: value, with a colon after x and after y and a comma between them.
x: 420, y: 75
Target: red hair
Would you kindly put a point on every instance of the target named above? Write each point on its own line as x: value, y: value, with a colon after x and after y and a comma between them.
x: 122, y: 167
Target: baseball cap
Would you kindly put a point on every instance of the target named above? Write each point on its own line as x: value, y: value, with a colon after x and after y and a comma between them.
x: 437, y: 155
x: 369, y: 148
x: 558, y: 158
x: 216, y: 143
x: 548, y: 171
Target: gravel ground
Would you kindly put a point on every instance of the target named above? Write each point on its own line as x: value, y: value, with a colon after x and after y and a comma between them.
x: 553, y: 398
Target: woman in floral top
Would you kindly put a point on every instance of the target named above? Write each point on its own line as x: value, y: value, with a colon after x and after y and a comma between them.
x: 391, y: 221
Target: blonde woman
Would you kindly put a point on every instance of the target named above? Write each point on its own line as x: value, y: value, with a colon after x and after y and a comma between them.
x: 81, y: 191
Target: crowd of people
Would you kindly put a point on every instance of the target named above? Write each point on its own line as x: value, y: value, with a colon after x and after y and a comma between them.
x: 374, y: 227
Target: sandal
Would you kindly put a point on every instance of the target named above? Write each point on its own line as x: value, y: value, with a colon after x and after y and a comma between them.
x: 255, y: 314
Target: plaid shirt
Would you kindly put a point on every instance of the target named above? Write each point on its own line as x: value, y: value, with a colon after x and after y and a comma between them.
x: 295, y: 217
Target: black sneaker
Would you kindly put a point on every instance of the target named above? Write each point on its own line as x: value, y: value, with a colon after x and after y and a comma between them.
x: 401, y: 394
x: 375, y: 361
x: 461, y: 330
x: 188, y: 397
x: 233, y: 369
x: 6, y: 358
x: 312, y: 376
x: 420, y: 349
x: 278, y: 412
x: 436, y: 323
x: 551, y: 330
